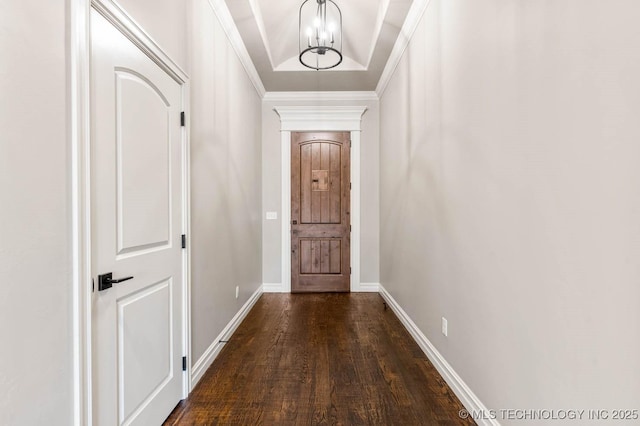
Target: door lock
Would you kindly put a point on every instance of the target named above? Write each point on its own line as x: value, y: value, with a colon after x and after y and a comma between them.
x: 106, y: 281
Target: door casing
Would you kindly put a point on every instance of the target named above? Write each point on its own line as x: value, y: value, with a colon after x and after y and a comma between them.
x: 80, y: 147
x: 319, y: 118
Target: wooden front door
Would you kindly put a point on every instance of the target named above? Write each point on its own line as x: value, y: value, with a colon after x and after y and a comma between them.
x: 320, y: 218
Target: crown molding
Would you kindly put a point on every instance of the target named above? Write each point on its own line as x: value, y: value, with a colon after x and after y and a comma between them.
x: 382, y: 13
x: 257, y: 14
x: 319, y: 96
x: 414, y: 16
x: 224, y: 16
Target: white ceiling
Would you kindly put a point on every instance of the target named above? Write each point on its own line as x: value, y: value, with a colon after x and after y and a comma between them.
x: 269, y: 30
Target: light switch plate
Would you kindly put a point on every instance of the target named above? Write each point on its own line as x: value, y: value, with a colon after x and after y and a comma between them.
x: 272, y: 215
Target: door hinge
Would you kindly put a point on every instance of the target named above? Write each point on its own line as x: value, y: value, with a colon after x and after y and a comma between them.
x: 184, y: 241
x: 349, y: 228
x: 349, y: 270
x: 182, y: 119
x: 184, y: 363
x: 349, y: 185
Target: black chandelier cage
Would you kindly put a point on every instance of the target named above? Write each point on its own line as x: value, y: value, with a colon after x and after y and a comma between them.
x: 320, y: 34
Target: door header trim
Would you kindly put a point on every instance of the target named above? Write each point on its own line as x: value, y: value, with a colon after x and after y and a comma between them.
x: 309, y: 118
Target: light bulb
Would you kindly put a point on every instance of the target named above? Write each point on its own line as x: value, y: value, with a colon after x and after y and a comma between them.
x: 316, y: 22
x: 332, y: 27
x: 309, y: 32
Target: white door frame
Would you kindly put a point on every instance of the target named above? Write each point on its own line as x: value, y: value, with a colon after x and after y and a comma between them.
x: 319, y: 118
x: 80, y: 152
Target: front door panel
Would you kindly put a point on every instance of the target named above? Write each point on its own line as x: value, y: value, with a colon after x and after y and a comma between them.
x: 320, y: 225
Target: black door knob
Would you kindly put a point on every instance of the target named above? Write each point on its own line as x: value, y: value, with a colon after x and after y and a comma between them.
x: 106, y: 281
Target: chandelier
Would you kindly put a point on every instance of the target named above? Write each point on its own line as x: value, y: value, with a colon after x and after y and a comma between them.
x: 320, y: 34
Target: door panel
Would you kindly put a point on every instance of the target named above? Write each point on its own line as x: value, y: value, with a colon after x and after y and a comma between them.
x: 136, y: 195
x: 322, y: 256
x: 320, y: 225
x: 143, y: 137
x: 320, y: 195
x: 144, y: 355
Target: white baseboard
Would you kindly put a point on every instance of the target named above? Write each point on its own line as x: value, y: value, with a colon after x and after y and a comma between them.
x: 205, y: 361
x: 362, y: 288
x: 273, y: 288
x: 368, y: 288
x: 470, y: 401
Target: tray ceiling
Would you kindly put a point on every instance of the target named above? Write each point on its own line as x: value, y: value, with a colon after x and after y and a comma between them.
x: 269, y: 30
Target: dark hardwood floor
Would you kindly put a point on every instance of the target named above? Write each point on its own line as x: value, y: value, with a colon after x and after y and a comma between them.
x: 320, y: 359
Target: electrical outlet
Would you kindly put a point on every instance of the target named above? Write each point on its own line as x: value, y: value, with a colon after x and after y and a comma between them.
x: 272, y: 215
x: 445, y: 330
x: 237, y: 291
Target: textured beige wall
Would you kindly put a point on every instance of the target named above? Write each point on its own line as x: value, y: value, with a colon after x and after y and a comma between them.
x: 226, y: 156
x: 369, y: 191
x: 35, y: 249
x: 510, y: 197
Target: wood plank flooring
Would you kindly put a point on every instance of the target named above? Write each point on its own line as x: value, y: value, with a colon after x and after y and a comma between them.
x: 320, y: 359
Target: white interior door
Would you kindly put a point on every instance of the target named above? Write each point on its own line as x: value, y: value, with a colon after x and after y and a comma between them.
x: 136, y: 192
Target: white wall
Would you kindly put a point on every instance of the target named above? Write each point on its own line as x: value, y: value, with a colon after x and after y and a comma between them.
x: 510, y: 198
x: 35, y: 277
x: 165, y: 21
x: 272, y: 182
x: 226, y: 229
x: 35, y: 181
